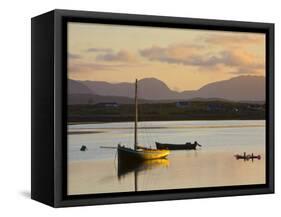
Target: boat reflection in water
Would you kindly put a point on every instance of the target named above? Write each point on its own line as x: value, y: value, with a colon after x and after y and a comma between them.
x: 126, y: 168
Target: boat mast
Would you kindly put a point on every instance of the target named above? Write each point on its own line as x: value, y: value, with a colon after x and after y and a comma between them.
x: 136, y: 179
x: 136, y: 115
x: 136, y: 130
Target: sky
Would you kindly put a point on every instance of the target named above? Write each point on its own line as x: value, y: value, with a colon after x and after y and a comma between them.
x: 184, y: 59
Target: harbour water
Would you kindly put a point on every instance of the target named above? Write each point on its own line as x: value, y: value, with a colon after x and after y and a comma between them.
x: 96, y: 170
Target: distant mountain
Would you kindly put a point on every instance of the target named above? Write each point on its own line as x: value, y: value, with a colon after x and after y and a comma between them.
x: 242, y: 88
x: 149, y: 88
x: 110, y: 89
x: 77, y: 87
x: 154, y: 89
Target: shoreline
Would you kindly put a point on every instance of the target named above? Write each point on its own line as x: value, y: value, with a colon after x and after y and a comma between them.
x: 83, y: 132
x: 125, y: 121
x: 92, y: 131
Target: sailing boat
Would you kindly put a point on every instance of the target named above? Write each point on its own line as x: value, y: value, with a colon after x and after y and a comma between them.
x: 139, y: 153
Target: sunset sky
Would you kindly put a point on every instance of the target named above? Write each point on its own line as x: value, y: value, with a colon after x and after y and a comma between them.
x: 184, y: 59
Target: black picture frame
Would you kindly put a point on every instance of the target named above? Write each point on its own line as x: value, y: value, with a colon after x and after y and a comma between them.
x: 49, y: 101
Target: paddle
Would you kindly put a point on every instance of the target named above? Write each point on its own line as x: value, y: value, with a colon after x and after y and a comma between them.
x: 196, y: 143
x: 110, y: 147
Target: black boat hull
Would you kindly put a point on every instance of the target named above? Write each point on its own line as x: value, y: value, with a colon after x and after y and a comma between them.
x: 187, y: 146
x: 131, y: 160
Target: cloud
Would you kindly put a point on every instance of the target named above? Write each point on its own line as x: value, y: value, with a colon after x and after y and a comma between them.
x: 234, y: 39
x: 247, y: 70
x: 181, y: 54
x: 86, y: 67
x: 73, y: 56
x: 106, y: 50
x: 108, y: 61
x: 75, y: 67
x: 236, y: 57
x: 120, y: 56
x: 240, y: 60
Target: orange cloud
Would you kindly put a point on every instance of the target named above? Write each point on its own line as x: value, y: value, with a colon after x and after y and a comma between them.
x: 120, y: 56
x: 77, y: 67
x: 94, y: 49
x: 234, y: 40
x: 238, y: 59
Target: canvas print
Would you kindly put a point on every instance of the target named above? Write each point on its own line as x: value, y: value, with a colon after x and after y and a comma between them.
x: 152, y: 108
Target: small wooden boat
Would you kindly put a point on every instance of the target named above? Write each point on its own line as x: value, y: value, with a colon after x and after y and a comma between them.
x: 83, y: 148
x: 247, y: 157
x: 186, y: 146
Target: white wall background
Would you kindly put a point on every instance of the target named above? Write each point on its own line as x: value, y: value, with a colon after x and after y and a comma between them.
x: 15, y: 106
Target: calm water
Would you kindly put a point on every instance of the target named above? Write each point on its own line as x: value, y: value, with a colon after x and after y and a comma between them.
x: 96, y: 170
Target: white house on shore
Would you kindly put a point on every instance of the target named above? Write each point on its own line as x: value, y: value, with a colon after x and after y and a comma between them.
x: 182, y: 104
x: 107, y: 105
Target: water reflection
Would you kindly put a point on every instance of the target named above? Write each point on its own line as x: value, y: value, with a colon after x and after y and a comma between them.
x: 125, y: 168
x: 97, y: 170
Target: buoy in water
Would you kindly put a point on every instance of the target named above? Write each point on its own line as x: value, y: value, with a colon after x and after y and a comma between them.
x: 83, y: 148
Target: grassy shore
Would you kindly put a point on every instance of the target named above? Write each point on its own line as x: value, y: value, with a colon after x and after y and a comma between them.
x: 215, y: 110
